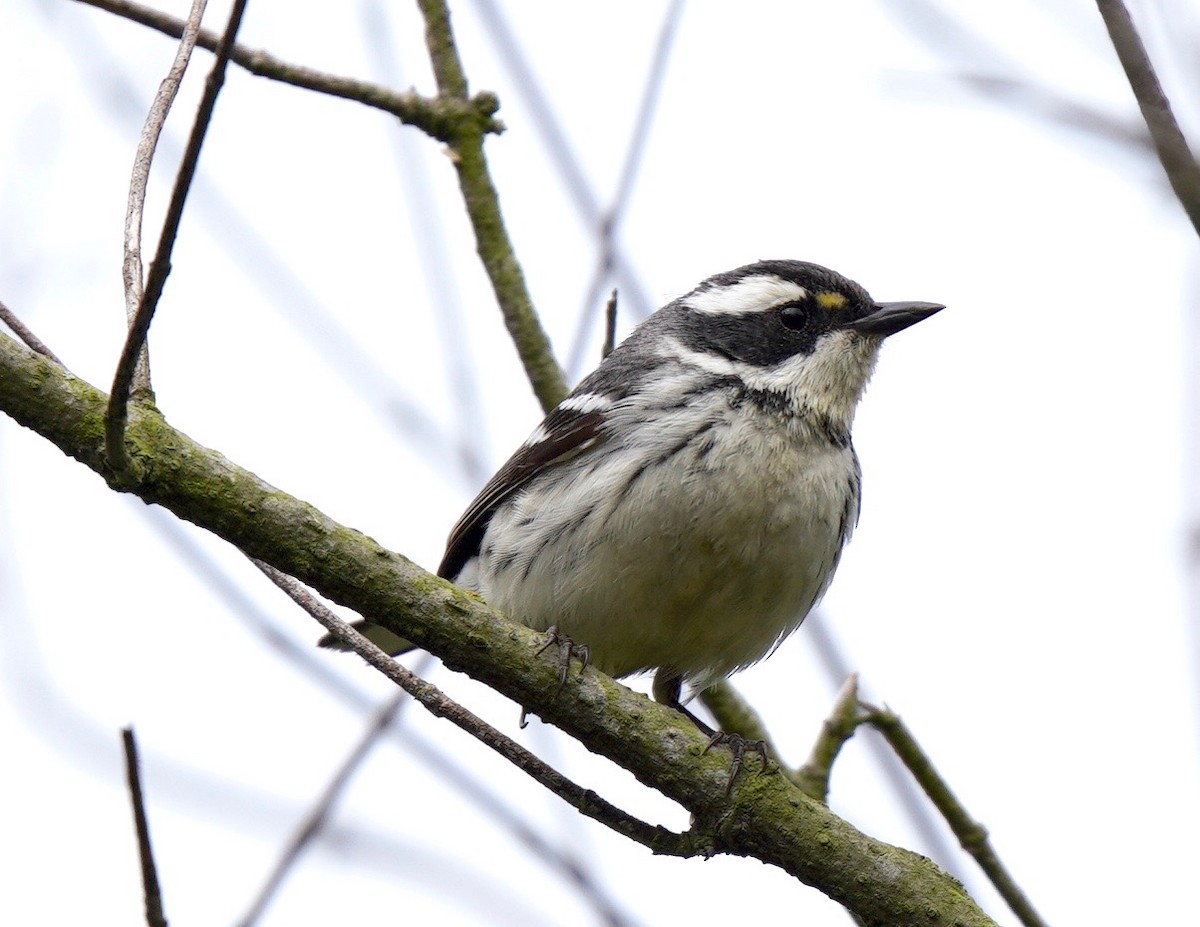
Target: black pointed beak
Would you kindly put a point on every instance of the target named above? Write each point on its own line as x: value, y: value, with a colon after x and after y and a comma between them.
x: 888, y: 318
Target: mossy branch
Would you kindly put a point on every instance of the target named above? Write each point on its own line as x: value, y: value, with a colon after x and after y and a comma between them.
x: 764, y: 816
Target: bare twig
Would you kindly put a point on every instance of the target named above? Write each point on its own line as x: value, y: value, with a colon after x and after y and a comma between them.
x: 431, y: 698
x: 610, y: 325
x: 839, y: 727
x: 316, y: 818
x: 160, y: 267
x: 921, y: 817
x: 571, y: 862
x: 434, y: 117
x: 21, y: 330
x: 1176, y: 157
x: 971, y: 834
x: 131, y: 267
x: 153, y: 894
x: 483, y: 207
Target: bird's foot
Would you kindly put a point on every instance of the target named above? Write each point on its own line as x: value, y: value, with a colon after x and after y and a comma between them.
x: 567, y: 648
x: 740, y: 747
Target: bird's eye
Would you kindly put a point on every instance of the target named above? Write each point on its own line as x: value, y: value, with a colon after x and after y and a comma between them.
x: 794, y: 316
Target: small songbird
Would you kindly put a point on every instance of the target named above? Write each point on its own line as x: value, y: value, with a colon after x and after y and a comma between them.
x: 685, y: 507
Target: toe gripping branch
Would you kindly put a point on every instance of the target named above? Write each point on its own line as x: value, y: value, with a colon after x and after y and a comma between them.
x: 740, y: 747
x: 667, y: 689
x: 567, y: 648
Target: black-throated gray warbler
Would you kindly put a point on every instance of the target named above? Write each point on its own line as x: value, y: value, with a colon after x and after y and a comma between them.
x: 684, y: 508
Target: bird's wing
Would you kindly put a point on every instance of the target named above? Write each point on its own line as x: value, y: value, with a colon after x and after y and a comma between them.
x: 565, y: 432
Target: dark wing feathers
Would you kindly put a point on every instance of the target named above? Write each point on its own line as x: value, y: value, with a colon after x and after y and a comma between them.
x: 564, y: 433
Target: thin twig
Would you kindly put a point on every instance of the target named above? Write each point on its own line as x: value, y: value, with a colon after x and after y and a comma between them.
x: 467, y: 784
x: 160, y: 267
x: 923, y: 820
x: 1175, y: 155
x: 971, y: 834
x: 315, y: 820
x: 21, y: 330
x: 483, y: 207
x: 153, y: 894
x: 131, y: 266
x: 269, y: 271
x: 438, y: 704
x: 839, y: 727
x: 576, y: 868
x: 434, y: 117
x: 610, y: 325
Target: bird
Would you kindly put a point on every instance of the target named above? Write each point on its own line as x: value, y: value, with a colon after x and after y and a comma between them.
x: 685, y: 507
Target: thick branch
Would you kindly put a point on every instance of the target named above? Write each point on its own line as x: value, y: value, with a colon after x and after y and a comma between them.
x: 764, y: 816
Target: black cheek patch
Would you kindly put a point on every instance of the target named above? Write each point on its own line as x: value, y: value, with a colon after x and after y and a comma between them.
x: 760, y: 339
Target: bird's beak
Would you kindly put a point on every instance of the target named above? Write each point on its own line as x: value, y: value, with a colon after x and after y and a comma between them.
x: 888, y: 318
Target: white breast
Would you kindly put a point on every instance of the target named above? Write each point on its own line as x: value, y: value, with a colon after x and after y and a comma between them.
x: 692, y: 548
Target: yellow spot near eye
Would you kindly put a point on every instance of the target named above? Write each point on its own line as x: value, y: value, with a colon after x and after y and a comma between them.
x: 828, y: 299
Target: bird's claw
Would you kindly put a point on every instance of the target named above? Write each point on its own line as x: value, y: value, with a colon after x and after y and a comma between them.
x: 740, y: 747
x: 567, y: 648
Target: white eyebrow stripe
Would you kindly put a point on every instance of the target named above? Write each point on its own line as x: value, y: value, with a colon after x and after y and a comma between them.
x: 750, y: 294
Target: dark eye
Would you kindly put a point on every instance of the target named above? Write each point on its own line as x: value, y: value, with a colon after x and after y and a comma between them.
x: 794, y: 316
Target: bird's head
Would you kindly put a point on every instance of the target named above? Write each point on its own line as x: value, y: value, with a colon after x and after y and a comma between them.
x: 791, y: 329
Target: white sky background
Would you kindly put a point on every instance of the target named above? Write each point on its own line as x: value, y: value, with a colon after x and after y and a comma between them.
x: 1016, y: 589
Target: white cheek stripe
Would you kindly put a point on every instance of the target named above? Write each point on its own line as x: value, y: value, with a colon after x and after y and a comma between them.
x: 817, y: 381
x: 673, y: 349
x: 750, y: 294
x: 782, y: 377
